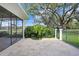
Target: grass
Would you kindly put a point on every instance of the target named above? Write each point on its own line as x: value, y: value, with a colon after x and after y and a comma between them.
x: 4, y: 31
x: 71, y: 37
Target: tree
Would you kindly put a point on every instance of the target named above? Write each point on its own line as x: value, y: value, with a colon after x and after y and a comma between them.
x: 58, y: 15
x: 54, y: 14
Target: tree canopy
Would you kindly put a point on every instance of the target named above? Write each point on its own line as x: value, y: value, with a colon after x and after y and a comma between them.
x: 54, y: 14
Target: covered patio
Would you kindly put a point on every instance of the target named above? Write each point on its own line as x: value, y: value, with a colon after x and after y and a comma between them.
x: 48, y: 47
x: 10, y: 31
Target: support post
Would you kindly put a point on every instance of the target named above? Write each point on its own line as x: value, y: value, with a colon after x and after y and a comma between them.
x: 61, y: 30
x: 16, y: 28
x: 11, y: 28
x: 23, y: 28
x: 55, y: 33
x: 8, y: 27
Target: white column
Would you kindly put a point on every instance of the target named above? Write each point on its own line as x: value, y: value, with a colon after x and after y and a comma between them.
x: 55, y: 33
x: 61, y: 30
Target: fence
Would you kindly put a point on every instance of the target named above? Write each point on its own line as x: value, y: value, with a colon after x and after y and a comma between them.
x: 71, y: 36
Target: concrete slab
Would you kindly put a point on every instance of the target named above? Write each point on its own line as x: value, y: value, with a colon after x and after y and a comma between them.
x: 29, y: 47
x: 6, y: 42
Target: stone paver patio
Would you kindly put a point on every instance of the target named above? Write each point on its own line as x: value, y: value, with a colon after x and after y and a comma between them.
x: 29, y: 47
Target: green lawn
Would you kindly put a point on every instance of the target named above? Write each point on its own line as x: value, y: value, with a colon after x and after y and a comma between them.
x: 71, y: 37
x: 6, y: 33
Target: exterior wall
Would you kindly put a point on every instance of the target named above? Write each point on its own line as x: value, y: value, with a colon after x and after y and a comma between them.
x: 15, y: 9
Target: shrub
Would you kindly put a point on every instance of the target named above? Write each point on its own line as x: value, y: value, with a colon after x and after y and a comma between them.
x: 38, y: 31
x: 4, y: 34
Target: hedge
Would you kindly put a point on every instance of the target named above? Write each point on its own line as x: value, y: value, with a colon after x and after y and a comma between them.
x: 38, y: 31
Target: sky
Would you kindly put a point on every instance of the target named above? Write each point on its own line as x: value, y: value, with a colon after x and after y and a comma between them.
x: 30, y: 21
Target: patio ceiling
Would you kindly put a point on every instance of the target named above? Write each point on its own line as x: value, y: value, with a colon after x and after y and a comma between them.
x: 12, y: 9
x: 5, y: 13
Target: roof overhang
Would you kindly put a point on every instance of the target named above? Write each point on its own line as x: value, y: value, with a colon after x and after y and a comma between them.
x: 15, y: 8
